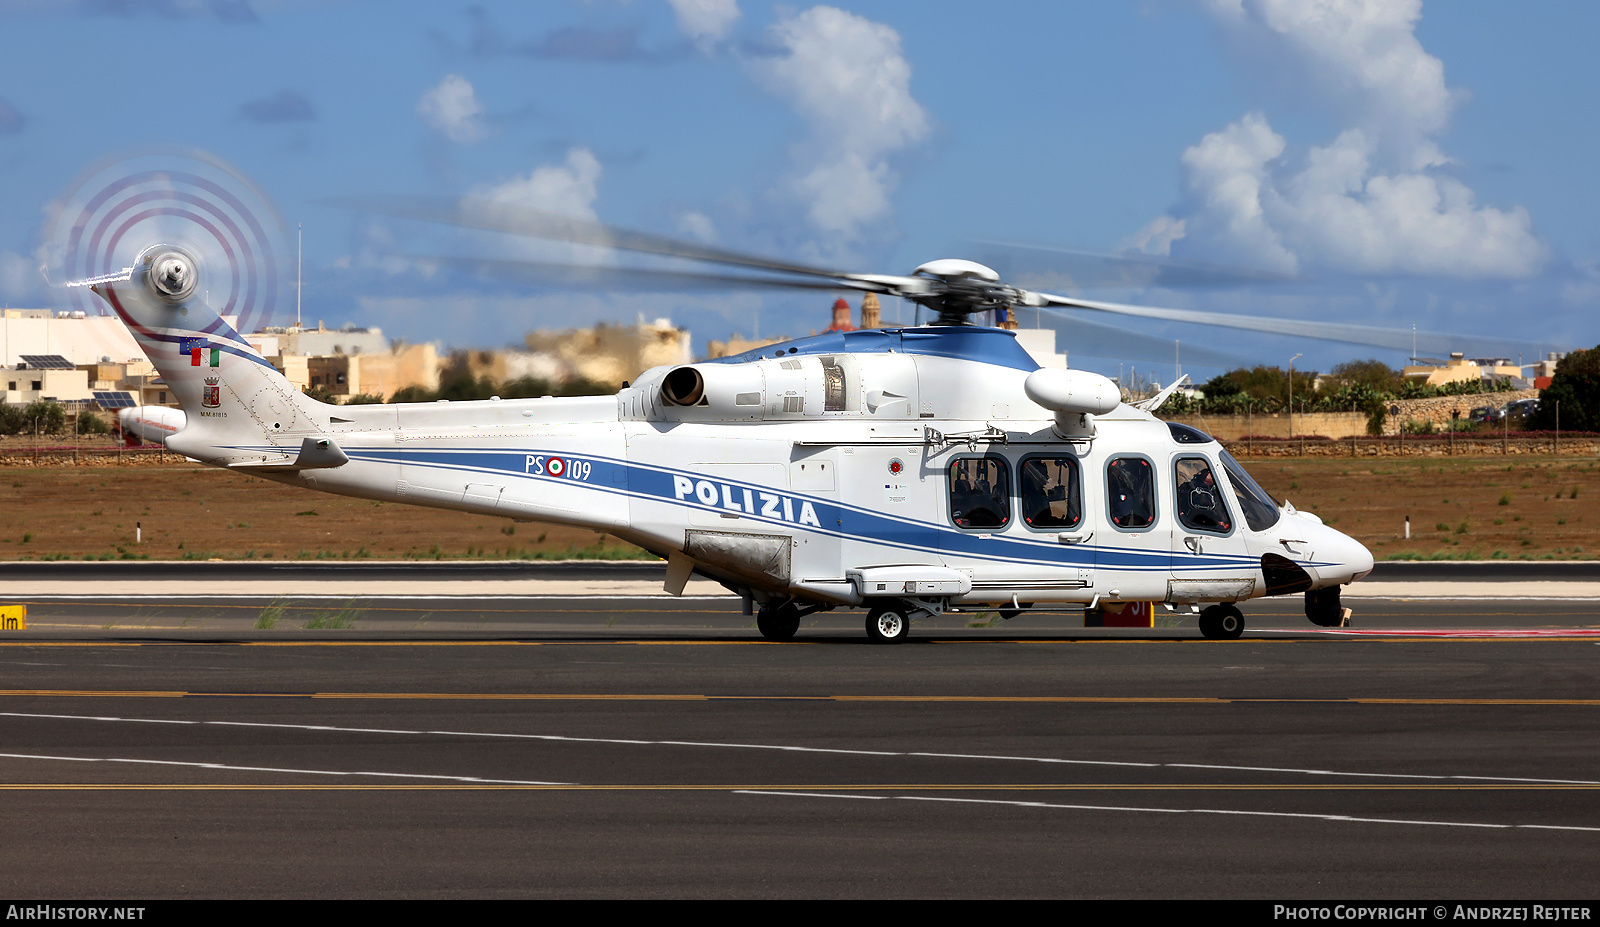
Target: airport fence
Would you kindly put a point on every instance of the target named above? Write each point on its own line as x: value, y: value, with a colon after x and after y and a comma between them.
x: 89, y: 455
x: 1451, y: 444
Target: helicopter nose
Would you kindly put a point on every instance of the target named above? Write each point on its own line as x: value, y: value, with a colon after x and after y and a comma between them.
x: 1348, y: 559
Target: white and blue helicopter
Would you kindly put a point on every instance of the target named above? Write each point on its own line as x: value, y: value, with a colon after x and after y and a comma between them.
x: 906, y: 471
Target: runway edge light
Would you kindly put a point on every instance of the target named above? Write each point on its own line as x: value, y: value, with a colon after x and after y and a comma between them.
x: 13, y: 617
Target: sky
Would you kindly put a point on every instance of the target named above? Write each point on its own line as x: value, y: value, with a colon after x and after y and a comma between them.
x: 1388, y: 164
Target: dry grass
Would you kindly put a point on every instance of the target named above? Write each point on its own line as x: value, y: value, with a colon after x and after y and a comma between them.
x: 200, y: 513
x: 1478, y: 508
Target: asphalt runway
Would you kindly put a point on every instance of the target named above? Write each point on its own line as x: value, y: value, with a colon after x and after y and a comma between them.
x: 569, y: 746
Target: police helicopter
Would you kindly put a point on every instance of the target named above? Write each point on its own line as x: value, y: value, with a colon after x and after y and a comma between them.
x: 904, y: 471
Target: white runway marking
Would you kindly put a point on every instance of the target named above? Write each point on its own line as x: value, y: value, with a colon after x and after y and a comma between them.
x: 271, y: 769
x: 1346, y: 818
x: 787, y: 748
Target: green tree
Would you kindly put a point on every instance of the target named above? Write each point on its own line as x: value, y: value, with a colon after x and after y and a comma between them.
x: 1372, y: 373
x: 92, y: 424
x: 413, y: 394
x: 1266, y: 389
x: 363, y: 399
x: 465, y: 389
x: 322, y: 394
x: 1576, y: 386
x: 44, y: 417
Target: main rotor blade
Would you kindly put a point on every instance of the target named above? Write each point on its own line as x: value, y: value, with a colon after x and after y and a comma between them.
x: 468, y: 212
x: 1081, y: 336
x: 543, y: 273
x: 1037, y: 266
x: 1369, y: 336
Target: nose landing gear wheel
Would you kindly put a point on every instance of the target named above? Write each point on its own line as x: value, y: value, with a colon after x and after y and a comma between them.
x: 1222, y: 623
x: 778, y: 624
x: 887, y: 624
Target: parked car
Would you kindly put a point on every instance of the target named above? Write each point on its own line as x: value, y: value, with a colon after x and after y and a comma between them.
x: 1481, y: 414
x: 1517, y: 410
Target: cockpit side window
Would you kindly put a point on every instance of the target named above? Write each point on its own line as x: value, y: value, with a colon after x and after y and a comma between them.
x: 1260, y: 512
x: 1131, y: 493
x: 980, y: 492
x: 1200, y: 503
x: 1052, y: 496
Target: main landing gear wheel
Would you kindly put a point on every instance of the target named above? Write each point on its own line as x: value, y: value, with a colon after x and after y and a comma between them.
x: 778, y: 624
x: 888, y: 624
x: 1222, y: 623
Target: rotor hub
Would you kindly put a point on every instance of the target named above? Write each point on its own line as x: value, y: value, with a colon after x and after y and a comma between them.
x: 171, y: 273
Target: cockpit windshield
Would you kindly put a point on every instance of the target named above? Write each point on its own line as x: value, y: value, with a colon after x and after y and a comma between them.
x: 1260, y: 512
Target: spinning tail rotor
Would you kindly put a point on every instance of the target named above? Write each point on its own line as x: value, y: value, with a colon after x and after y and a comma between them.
x: 193, y: 201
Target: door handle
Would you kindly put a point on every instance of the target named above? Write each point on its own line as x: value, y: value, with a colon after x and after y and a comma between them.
x: 1074, y: 538
x: 1193, y: 544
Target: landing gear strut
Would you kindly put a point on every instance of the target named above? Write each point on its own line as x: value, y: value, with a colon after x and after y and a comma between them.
x: 1222, y: 622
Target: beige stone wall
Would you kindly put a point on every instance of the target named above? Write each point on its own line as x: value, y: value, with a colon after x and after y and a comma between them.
x: 1436, y: 409
x: 385, y: 374
x: 1232, y: 427
x: 739, y: 344
x: 1449, y: 445
x: 612, y: 354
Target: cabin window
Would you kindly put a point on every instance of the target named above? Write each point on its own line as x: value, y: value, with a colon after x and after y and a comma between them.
x: 1051, y: 492
x: 1131, y: 493
x: 980, y: 492
x: 1200, y: 503
x: 1260, y: 512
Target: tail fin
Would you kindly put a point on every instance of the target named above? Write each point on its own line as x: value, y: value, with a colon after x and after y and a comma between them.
x: 240, y: 410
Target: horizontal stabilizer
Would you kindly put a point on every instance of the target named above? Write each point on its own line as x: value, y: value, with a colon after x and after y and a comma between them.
x: 315, y: 454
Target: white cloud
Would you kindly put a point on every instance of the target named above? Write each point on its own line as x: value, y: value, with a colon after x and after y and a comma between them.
x: 569, y: 189
x: 1364, y: 56
x: 848, y: 78
x: 1156, y: 237
x: 698, y: 225
x: 1370, y: 201
x: 566, y: 189
x: 452, y: 108
x: 706, y: 22
x: 1226, y: 175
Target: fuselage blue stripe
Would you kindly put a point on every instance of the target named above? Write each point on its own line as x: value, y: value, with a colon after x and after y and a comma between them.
x: 633, y: 480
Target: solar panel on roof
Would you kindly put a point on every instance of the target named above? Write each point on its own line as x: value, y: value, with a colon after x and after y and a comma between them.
x: 114, y: 399
x: 46, y: 361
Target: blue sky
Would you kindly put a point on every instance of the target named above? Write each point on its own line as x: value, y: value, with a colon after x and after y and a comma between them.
x: 1416, y: 164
